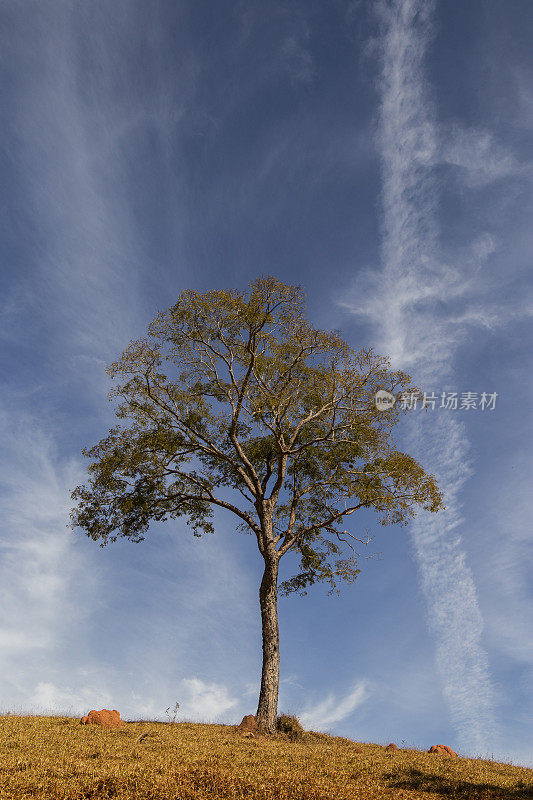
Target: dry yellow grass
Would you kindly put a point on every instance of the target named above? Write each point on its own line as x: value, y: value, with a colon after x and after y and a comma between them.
x: 59, y: 759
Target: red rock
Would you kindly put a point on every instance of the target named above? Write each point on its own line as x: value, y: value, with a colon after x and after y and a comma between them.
x: 442, y: 750
x: 103, y: 718
x: 391, y: 746
x: 248, y: 726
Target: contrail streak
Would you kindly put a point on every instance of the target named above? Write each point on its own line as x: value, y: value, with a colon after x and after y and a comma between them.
x: 413, y: 279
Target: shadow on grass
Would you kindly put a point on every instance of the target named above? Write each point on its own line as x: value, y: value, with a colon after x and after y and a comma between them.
x: 419, y: 781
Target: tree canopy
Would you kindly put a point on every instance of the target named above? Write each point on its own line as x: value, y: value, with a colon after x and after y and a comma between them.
x: 238, y: 391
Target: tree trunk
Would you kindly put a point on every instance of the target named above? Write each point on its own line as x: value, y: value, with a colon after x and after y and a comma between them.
x: 268, y: 697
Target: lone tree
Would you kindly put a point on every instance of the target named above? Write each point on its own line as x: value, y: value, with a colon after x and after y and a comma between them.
x: 270, y: 407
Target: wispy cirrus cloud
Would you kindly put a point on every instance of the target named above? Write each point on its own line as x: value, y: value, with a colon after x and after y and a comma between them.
x: 78, y: 123
x: 74, y: 305
x: 331, y: 711
x: 479, y: 156
x: 425, y: 296
x: 453, y: 615
x: 289, y: 54
x: 65, y: 144
x: 419, y: 305
x: 75, y: 127
x: 38, y: 566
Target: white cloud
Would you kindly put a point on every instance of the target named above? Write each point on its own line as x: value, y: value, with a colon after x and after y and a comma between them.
x: 72, y: 130
x: 84, y: 304
x: 206, y: 701
x: 479, y: 156
x: 508, y: 577
x: 48, y: 697
x: 38, y: 565
x: 201, y: 701
x: 418, y: 299
x: 416, y: 304
x: 53, y: 584
x: 454, y: 615
x: 330, y: 711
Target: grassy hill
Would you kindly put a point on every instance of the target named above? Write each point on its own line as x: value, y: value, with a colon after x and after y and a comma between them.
x: 58, y: 759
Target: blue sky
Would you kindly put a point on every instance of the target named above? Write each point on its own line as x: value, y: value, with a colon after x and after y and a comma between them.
x: 377, y: 153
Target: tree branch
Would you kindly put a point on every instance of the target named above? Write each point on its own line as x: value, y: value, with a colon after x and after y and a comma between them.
x: 289, y: 542
x: 211, y: 449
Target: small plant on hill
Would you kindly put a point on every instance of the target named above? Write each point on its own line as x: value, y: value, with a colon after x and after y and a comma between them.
x: 289, y: 724
x: 175, y: 710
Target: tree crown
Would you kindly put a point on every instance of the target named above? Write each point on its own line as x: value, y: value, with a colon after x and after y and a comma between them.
x: 266, y: 405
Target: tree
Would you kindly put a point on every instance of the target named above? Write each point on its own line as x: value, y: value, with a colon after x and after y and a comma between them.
x: 266, y: 405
